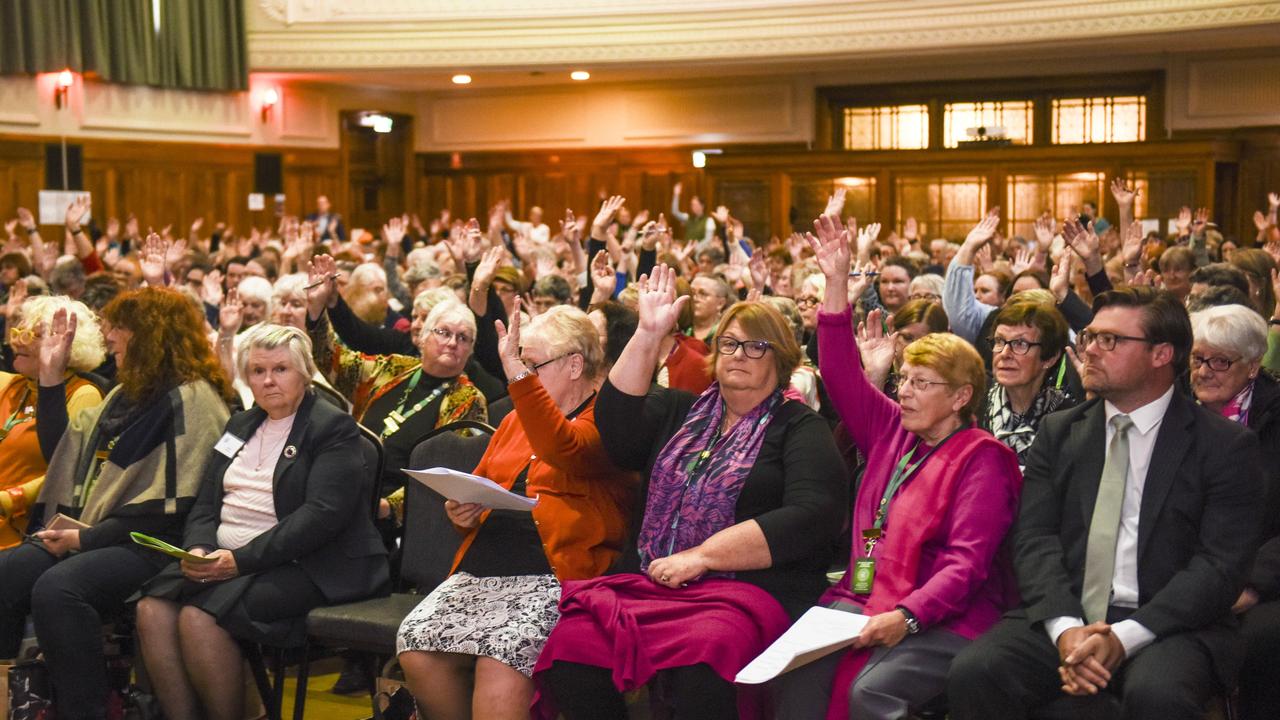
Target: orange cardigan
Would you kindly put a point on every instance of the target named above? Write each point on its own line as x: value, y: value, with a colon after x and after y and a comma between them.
x: 584, y: 501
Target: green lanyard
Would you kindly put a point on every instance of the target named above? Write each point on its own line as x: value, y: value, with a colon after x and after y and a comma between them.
x: 900, y: 475
x: 19, y: 415
x: 396, y: 418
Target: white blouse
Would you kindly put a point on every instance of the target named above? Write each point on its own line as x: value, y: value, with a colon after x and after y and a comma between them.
x: 248, y: 501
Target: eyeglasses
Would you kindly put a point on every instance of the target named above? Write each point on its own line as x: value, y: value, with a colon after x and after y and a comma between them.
x: 22, y: 335
x: 933, y: 297
x: 1106, y: 340
x: 919, y: 384
x: 534, y: 367
x: 1017, y: 345
x: 807, y: 302
x: 503, y: 288
x: 754, y: 349
x: 446, y: 335
x: 1217, y: 363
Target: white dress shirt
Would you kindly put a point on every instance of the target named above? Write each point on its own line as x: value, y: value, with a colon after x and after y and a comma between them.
x: 1124, y: 582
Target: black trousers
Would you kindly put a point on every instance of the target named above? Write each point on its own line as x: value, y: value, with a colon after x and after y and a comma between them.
x: 1012, y: 672
x: 586, y: 692
x: 1259, y: 682
x: 66, y: 599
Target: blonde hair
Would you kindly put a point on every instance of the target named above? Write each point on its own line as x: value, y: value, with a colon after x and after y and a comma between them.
x: 87, y: 349
x: 268, y: 336
x: 956, y: 361
x: 566, y: 329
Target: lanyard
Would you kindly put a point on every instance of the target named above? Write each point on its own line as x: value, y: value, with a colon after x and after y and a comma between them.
x: 397, y: 418
x: 900, y: 476
x: 19, y: 415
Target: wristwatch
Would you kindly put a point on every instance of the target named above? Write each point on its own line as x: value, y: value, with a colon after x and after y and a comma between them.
x: 913, y: 625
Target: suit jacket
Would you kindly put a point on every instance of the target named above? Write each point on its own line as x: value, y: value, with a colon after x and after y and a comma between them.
x: 1264, y: 419
x: 1198, y: 525
x: 323, y: 233
x: 322, y: 500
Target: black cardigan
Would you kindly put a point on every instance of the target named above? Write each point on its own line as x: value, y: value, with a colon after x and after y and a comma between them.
x: 798, y: 490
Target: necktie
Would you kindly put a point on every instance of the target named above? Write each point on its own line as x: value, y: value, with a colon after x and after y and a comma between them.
x: 1100, y: 553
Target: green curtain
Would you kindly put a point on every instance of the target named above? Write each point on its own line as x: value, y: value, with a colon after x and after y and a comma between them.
x: 200, y: 46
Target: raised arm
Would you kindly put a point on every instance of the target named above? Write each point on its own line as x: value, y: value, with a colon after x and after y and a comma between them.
x: 958, y: 300
x: 659, y: 309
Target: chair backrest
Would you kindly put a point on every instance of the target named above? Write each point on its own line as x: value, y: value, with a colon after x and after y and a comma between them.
x: 328, y: 394
x: 375, y: 460
x: 499, y: 409
x: 429, y: 538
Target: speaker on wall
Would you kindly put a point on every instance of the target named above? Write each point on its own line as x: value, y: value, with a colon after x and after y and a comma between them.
x: 53, y: 164
x: 268, y: 173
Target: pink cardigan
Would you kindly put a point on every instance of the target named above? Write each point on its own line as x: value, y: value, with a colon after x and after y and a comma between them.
x: 962, y: 582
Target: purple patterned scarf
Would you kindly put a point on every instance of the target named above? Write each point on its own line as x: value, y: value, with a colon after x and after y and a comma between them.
x: 681, y: 512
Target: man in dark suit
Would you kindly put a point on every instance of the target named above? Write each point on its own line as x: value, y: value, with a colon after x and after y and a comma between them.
x: 328, y: 223
x: 1139, y: 518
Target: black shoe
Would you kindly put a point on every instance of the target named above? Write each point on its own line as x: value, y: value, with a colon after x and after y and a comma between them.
x: 351, y: 681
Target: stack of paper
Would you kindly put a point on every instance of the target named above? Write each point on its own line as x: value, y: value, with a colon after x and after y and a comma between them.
x: 467, y: 488
x: 819, y: 632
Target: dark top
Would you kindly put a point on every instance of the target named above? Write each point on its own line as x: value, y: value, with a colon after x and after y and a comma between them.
x: 1264, y: 419
x: 507, y: 543
x: 797, y: 491
x: 400, y: 444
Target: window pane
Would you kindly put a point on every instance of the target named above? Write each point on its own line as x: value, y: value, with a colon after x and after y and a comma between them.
x: 1014, y: 116
x: 809, y: 198
x: 1099, y: 120
x: 892, y: 127
x: 1061, y: 195
x: 946, y: 207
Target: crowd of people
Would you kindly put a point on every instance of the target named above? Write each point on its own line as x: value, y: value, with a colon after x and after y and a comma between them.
x: 1046, y: 469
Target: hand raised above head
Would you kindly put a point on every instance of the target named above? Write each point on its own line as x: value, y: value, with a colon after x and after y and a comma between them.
x: 657, y: 304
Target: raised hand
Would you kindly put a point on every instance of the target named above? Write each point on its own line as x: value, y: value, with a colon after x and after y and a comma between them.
x: 152, y: 259
x: 25, y: 217
x: 472, y: 241
x: 393, y: 232
x: 759, y: 270
x: 1044, y: 227
x: 867, y: 237
x: 1060, y: 281
x: 1131, y: 241
x: 604, y: 279
x: 197, y: 224
x: 1273, y: 201
x: 569, y: 228
x: 911, y: 229
x: 1275, y: 287
x: 77, y: 210
x: 488, y: 266
x: 982, y: 260
x: 231, y: 314
x: 657, y: 304
x: 17, y: 295
x: 211, y: 287
x: 131, y: 230
x: 831, y: 247
x: 322, y: 285
x: 1023, y: 259
x: 677, y: 189
x: 877, y: 345
x: 795, y: 247
x: 1084, y: 242
x: 608, y: 209
x: 835, y: 202
x: 721, y: 214
x: 1260, y: 221
x: 1184, y: 220
x: 55, y: 347
x: 1124, y: 195
x: 509, y: 342
x: 1200, y: 221
x: 12, y: 224
x: 984, y: 230
x: 858, y: 285
x: 113, y: 228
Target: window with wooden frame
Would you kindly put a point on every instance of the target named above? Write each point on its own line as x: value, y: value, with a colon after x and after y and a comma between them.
x: 888, y: 127
x: 1111, y: 119
x: 1009, y: 121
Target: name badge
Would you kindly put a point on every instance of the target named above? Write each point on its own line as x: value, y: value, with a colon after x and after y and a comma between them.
x: 864, y: 575
x: 229, y: 445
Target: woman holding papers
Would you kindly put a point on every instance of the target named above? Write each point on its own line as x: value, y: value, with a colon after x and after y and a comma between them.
x: 468, y: 649
x: 130, y: 464
x: 22, y: 454
x: 932, y: 509
x: 283, y: 520
x: 746, y: 495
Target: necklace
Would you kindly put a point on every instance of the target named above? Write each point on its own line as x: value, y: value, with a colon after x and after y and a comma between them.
x: 21, y: 414
x: 266, y: 451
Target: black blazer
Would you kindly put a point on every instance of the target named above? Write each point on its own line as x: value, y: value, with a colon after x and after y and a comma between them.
x: 1264, y: 419
x: 1198, y: 526
x: 323, y: 233
x: 322, y: 499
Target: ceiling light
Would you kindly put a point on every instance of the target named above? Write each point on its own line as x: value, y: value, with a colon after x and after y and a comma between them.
x: 580, y: 75
x: 461, y: 79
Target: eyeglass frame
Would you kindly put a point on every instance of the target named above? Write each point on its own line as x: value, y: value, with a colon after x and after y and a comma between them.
x: 1009, y: 343
x: 1199, y: 361
x: 917, y: 381
x: 445, y: 335
x: 764, y: 346
x: 1087, y: 338
x: 29, y: 330
x: 807, y: 302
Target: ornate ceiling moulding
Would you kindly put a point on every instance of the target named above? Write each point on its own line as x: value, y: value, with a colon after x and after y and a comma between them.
x: 347, y: 34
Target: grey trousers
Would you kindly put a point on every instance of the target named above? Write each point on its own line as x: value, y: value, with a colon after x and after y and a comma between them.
x: 895, y: 682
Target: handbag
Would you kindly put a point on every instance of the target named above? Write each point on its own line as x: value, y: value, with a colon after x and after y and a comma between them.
x: 30, y: 692
x: 393, y: 701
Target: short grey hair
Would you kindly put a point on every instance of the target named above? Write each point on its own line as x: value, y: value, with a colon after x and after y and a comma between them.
x: 928, y: 282
x: 256, y: 288
x: 450, y: 310
x: 1232, y: 327
x: 268, y: 336
x: 566, y: 329
x: 87, y: 348
x: 428, y: 299
x: 290, y: 286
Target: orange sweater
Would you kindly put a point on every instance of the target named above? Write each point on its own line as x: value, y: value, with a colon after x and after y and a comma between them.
x: 583, y: 500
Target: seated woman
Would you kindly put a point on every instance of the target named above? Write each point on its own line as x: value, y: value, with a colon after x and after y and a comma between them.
x: 911, y: 322
x: 1227, y: 377
x: 131, y: 464
x: 746, y: 494
x: 935, y: 501
x: 469, y: 648
x: 399, y: 396
x: 22, y: 460
x: 284, y: 514
x: 1028, y: 385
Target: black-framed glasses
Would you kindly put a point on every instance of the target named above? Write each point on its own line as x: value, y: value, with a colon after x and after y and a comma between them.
x: 919, y: 384
x: 535, y: 366
x: 446, y: 335
x: 754, y: 349
x: 1107, y: 340
x: 1216, y: 363
x: 1017, y: 345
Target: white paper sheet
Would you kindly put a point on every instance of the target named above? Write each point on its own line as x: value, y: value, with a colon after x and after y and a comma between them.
x: 819, y: 632
x: 468, y: 488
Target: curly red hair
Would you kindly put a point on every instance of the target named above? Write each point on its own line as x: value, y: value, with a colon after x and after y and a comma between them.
x: 169, y: 346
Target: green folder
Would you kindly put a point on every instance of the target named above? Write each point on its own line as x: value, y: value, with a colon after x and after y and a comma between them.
x: 151, y: 543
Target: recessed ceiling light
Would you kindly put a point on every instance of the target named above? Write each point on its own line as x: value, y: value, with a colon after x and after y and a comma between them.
x: 461, y: 79
x: 580, y: 75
